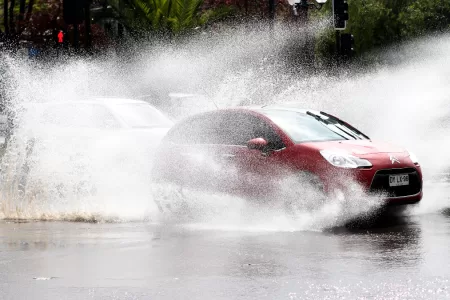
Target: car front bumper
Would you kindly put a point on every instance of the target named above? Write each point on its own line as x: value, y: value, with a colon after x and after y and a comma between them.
x: 396, y: 201
x: 375, y: 182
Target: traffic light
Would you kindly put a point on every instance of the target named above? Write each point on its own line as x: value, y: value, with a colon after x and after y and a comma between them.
x: 347, y: 44
x: 340, y: 14
x: 60, y: 37
x: 73, y: 11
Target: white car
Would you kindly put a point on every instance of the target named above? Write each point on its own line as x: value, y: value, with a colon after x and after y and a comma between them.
x: 76, y: 147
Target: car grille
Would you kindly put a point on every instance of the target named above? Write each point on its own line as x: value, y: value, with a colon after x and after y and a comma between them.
x: 380, y: 183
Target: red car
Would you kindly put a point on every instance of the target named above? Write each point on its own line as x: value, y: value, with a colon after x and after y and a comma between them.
x: 249, y: 151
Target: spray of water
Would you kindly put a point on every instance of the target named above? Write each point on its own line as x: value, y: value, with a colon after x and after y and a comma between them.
x: 403, y: 103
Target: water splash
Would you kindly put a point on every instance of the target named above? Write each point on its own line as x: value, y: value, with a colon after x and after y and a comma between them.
x: 296, y: 206
x: 403, y: 103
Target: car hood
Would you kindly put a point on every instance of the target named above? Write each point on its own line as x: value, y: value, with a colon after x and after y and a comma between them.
x: 358, y: 147
x: 88, y: 140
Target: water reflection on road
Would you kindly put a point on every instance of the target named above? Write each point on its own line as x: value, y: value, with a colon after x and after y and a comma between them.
x: 403, y: 256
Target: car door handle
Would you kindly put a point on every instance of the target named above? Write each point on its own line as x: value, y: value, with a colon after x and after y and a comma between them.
x: 228, y: 155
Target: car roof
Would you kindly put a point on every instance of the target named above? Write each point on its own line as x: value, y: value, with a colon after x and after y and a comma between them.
x: 258, y: 109
x: 284, y: 108
x: 113, y: 100
x: 92, y: 100
x: 263, y: 108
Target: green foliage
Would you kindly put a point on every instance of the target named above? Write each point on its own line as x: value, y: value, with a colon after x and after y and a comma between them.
x: 376, y: 23
x: 38, y: 7
x: 424, y: 16
x: 176, y: 16
x: 372, y: 23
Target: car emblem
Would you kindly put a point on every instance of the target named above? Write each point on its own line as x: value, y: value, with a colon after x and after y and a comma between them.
x: 393, y: 159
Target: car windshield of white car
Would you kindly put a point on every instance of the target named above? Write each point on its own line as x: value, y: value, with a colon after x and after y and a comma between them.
x: 302, y: 128
x: 141, y: 115
x: 86, y: 115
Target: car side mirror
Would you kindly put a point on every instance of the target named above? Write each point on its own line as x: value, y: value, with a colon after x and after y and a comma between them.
x: 257, y: 144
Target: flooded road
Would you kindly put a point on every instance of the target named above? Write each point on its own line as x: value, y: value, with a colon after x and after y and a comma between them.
x: 230, y: 250
x: 403, y: 257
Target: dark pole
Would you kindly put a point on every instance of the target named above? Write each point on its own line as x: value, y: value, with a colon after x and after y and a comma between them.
x: 5, y: 17
x: 29, y: 10
x: 76, y: 36
x: 87, y: 24
x: 306, y: 55
x: 271, y: 14
x: 120, y: 30
x: 21, y: 16
x: 271, y: 9
x: 303, y: 13
x: 338, y: 47
x: 11, y: 15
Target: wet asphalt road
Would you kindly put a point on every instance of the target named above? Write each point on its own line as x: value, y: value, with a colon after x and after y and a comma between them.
x: 403, y: 257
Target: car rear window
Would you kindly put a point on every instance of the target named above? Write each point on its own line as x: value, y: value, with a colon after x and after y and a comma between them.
x: 141, y: 115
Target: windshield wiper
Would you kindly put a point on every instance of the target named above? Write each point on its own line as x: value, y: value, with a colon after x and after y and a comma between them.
x: 317, y: 117
x: 327, y: 123
x: 342, y: 126
x: 338, y: 125
x: 345, y: 124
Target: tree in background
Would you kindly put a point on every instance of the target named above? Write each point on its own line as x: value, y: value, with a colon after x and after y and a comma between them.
x: 379, y: 23
x: 17, y: 13
x: 173, y: 17
x: 37, y: 23
x: 28, y: 19
x: 374, y: 23
x: 424, y: 16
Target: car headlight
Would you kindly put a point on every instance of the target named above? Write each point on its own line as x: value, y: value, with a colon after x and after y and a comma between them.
x: 413, y: 157
x: 344, y: 160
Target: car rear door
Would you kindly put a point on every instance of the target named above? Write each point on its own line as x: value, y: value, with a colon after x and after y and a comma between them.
x: 250, y: 172
x: 191, y: 152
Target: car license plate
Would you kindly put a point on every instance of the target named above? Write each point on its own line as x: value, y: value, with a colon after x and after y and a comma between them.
x: 398, y: 180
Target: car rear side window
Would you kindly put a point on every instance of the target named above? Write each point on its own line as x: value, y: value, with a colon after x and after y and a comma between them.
x: 237, y: 128
x: 225, y: 128
x: 191, y: 131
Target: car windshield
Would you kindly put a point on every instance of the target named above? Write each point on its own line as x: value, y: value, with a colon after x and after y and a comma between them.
x: 301, y: 127
x: 87, y: 115
x: 141, y: 115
